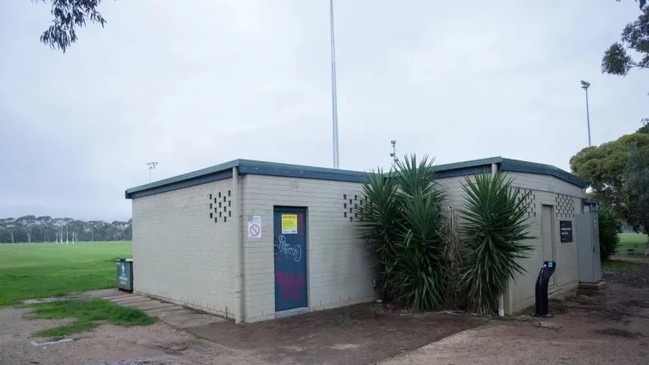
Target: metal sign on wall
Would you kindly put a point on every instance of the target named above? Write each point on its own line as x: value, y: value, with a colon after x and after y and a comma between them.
x: 565, y: 231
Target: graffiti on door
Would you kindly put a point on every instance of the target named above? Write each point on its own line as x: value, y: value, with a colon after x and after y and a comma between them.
x: 291, y: 285
x: 293, y: 252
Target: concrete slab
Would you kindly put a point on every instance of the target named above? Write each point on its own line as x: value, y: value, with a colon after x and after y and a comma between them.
x: 148, y: 306
x: 598, y: 286
x: 170, y: 315
x: 118, y: 297
x: 173, y: 314
x: 103, y: 293
x: 198, y: 322
x: 131, y: 300
x: 187, y: 321
x: 180, y: 316
x: 161, y: 312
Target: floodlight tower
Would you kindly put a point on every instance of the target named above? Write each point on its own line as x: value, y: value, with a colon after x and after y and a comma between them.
x: 585, y: 85
x: 152, y: 166
x: 334, y: 97
x: 393, y: 154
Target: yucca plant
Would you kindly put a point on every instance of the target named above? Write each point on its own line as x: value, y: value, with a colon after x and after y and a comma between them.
x: 402, y: 223
x: 418, y: 273
x: 381, y: 221
x: 494, y: 230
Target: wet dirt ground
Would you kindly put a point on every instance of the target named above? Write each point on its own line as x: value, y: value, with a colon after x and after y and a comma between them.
x: 607, y: 327
x: 359, y: 334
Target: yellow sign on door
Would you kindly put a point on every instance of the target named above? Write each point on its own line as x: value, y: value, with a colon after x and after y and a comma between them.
x: 289, y: 223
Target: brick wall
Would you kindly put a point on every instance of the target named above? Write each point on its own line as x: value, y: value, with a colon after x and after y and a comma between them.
x: 337, y: 264
x: 182, y: 247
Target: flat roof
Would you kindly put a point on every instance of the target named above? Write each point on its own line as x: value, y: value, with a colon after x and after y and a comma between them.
x: 252, y: 167
x: 474, y: 167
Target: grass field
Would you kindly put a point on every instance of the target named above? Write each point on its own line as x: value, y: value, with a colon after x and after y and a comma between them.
x: 44, y: 270
x: 630, y: 240
x: 618, y: 266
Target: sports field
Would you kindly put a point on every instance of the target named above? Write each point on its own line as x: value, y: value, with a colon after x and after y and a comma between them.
x: 630, y: 241
x: 43, y: 270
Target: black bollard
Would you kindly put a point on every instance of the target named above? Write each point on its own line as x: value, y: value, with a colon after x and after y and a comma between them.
x: 542, y: 307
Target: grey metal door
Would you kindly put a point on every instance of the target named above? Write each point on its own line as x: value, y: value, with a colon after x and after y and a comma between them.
x: 588, y: 255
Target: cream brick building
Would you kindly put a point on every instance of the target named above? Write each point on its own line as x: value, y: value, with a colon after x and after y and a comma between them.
x: 555, y: 197
x: 253, y: 240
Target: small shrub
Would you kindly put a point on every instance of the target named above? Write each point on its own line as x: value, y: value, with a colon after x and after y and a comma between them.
x: 608, y: 228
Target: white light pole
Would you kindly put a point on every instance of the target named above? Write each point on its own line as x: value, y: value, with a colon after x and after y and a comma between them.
x: 334, y: 101
x: 152, y: 166
x: 585, y: 85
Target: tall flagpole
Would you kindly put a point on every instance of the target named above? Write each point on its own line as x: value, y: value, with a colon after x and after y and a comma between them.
x: 334, y: 99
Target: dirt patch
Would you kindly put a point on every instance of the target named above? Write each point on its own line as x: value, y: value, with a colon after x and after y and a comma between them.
x: 109, y: 345
x: 637, y: 303
x: 618, y: 332
x: 598, y: 327
x: 359, y: 334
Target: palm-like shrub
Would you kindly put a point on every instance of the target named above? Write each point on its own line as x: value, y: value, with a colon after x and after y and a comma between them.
x: 402, y: 222
x: 494, y: 229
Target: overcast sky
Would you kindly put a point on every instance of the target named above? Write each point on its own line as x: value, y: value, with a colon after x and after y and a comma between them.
x: 195, y: 83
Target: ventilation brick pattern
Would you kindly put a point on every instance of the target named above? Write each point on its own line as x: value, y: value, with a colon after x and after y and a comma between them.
x: 220, y: 206
x: 565, y: 206
x: 352, y: 206
x: 529, y: 199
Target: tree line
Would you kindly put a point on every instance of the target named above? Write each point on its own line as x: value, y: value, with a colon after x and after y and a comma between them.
x: 618, y: 173
x: 45, y: 229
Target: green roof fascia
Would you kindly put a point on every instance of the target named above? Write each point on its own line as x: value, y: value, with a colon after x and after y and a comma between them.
x: 224, y: 171
x: 467, y: 168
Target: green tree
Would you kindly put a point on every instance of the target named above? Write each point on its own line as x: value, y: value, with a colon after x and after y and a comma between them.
x: 603, y: 168
x: 635, y: 40
x: 609, y: 225
x: 645, y: 127
x: 637, y: 186
x: 68, y: 16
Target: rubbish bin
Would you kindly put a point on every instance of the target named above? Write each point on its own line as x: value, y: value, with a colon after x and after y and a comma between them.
x: 125, y: 274
x: 542, y: 306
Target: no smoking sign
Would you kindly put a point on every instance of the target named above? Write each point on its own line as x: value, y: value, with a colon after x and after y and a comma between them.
x: 254, y: 226
x: 254, y: 230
